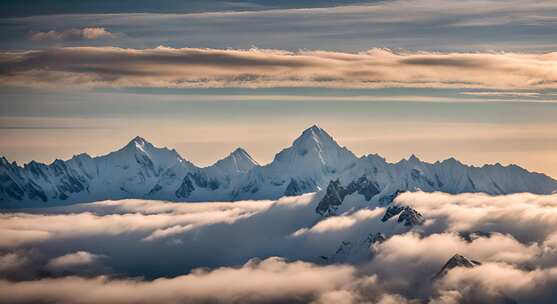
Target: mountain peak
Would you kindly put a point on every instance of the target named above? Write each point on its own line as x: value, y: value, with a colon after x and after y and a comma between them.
x: 237, y: 161
x: 316, y: 132
x: 456, y: 260
x: 240, y: 152
x: 314, y: 153
x: 314, y: 128
x: 413, y: 159
x: 138, y: 141
x: 313, y: 136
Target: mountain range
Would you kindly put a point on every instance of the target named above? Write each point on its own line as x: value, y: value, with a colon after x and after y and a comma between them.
x: 314, y: 162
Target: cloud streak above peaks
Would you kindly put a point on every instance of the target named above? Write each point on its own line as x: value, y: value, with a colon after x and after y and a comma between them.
x: 257, y: 68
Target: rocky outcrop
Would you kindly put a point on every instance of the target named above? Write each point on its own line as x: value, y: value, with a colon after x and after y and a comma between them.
x: 455, y: 261
x: 406, y: 215
x: 335, y: 194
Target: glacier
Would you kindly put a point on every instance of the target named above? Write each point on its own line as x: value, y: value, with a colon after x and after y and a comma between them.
x: 314, y: 162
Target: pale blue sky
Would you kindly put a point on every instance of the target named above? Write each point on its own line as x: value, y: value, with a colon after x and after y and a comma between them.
x: 476, y: 125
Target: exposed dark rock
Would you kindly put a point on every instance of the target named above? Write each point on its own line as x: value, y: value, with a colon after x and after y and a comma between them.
x: 34, y: 191
x: 406, y: 215
x: 392, y: 211
x: 14, y: 191
x: 364, y: 187
x: 155, y: 189
x: 213, y: 184
x: 199, y: 179
x: 186, y: 188
x: 336, y: 193
x: 294, y: 188
x: 332, y: 200
x: 456, y: 261
x: 410, y: 217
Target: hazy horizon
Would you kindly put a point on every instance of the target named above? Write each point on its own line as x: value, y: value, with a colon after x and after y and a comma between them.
x: 207, y: 153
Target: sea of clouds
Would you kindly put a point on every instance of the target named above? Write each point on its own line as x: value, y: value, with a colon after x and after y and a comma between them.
x: 137, y: 251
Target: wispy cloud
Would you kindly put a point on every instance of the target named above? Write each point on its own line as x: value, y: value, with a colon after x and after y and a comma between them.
x: 503, y: 94
x: 87, y: 33
x: 257, y: 68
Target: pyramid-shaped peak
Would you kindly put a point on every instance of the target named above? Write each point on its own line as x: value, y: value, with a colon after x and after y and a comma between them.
x: 140, y: 145
x: 237, y: 161
x: 315, y: 130
x: 458, y: 260
x: 242, y: 155
x: 413, y: 159
x: 315, y: 151
x: 135, y: 143
x: 240, y: 152
x: 314, y: 134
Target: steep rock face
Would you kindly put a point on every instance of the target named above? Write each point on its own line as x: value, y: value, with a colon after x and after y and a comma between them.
x: 296, y: 187
x: 314, y: 162
x: 392, y: 211
x: 336, y: 193
x: 410, y: 217
x: 333, y: 198
x: 186, y: 188
x: 406, y: 215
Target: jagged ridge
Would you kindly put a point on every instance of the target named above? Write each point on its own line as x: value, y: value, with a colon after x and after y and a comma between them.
x: 314, y: 162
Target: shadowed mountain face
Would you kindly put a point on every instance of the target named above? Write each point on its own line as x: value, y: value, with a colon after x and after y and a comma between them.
x: 314, y: 162
x: 456, y: 261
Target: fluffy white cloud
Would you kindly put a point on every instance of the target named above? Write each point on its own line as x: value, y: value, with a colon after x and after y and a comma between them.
x: 342, y: 222
x: 71, y: 260
x: 499, y: 283
x: 517, y: 249
x: 270, y: 280
x: 527, y: 217
x: 160, y: 219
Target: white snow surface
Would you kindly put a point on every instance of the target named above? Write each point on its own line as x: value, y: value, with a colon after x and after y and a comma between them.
x: 141, y: 170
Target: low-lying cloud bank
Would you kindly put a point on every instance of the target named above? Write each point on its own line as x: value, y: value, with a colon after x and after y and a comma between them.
x: 258, y: 68
x: 138, y: 251
x: 267, y: 281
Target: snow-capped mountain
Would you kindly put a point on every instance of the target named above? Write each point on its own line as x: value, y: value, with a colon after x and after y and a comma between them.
x: 310, y: 163
x: 314, y: 162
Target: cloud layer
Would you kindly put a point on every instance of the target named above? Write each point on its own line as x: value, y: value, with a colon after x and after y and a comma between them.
x: 256, y: 68
x: 148, y: 251
x: 264, y: 281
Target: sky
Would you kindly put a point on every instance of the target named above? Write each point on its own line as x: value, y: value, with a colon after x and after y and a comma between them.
x: 475, y: 80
